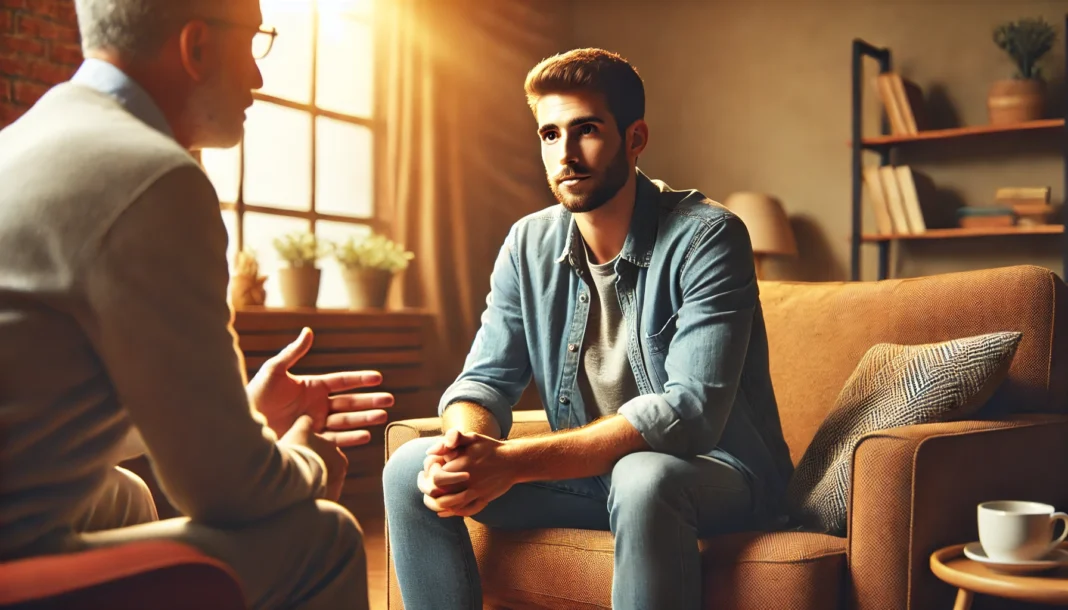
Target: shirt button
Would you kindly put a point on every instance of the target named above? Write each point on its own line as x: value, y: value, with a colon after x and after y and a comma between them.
x: 564, y: 400
x: 583, y: 298
x: 571, y: 347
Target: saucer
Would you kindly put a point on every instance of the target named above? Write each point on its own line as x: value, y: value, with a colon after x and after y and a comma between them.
x: 1055, y: 558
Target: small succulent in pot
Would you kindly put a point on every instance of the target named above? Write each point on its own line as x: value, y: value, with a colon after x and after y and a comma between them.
x: 368, y: 266
x: 1026, y: 41
x: 299, y: 249
x: 1022, y: 98
x: 300, y: 281
x: 373, y: 252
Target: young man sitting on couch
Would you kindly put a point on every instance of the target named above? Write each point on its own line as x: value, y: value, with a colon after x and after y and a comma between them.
x: 635, y: 309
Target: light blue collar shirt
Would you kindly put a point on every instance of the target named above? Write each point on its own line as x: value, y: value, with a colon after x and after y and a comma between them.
x: 109, y: 80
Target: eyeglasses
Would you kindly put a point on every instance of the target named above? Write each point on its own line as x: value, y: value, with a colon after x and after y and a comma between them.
x: 262, y: 39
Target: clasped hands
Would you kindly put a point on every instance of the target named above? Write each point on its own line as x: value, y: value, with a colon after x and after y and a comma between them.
x: 464, y: 471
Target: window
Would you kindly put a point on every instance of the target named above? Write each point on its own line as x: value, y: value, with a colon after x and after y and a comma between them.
x: 306, y: 160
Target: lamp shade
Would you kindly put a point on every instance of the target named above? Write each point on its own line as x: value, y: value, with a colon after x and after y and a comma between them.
x: 763, y: 215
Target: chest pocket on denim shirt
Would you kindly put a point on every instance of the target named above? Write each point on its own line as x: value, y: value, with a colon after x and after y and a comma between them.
x: 661, y: 340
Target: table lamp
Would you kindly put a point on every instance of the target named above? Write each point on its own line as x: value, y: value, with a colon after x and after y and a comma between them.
x: 769, y: 229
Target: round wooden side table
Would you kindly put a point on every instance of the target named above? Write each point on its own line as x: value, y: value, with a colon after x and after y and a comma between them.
x: 970, y: 577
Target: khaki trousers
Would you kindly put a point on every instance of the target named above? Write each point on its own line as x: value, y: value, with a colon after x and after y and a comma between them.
x: 308, y: 556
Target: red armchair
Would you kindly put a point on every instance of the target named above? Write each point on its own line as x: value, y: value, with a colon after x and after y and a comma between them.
x: 159, y: 575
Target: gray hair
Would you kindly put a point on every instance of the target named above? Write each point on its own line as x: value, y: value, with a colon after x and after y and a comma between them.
x: 132, y: 28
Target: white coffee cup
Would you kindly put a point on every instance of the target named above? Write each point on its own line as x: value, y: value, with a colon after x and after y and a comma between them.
x: 1019, y: 531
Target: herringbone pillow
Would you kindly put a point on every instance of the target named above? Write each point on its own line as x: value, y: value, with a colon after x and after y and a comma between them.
x: 892, y: 386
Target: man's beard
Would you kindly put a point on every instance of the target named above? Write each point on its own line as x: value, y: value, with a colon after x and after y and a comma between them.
x: 206, y: 114
x: 611, y: 181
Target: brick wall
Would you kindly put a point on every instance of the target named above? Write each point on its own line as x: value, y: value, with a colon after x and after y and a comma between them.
x: 39, y: 47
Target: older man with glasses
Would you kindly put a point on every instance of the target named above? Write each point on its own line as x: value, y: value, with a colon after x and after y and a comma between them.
x: 115, y: 333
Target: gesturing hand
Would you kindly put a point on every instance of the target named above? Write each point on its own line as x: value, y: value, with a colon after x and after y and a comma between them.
x: 486, y: 464
x: 337, y: 465
x: 283, y: 397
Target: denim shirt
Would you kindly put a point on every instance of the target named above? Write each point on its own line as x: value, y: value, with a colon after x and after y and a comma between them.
x: 698, y: 348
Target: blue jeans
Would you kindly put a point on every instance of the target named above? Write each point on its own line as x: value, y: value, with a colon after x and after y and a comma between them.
x: 655, y: 504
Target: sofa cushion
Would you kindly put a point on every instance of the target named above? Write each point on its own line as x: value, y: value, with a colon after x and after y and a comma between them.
x: 569, y: 569
x: 818, y: 331
x: 781, y: 570
x: 892, y: 386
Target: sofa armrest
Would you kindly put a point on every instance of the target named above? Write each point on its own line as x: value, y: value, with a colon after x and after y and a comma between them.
x: 915, y: 489
x: 524, y: 423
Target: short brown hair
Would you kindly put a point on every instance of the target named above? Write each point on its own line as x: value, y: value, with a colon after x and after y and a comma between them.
x: 594, y: 70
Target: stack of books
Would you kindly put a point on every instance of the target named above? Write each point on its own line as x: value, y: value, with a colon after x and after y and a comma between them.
x: 903, y: 101
x: 985, y: 216
x: 899, y: 197
x: 1030, y: 204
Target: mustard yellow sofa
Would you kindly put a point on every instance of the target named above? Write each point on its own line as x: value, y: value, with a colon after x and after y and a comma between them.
x: 913, y: 489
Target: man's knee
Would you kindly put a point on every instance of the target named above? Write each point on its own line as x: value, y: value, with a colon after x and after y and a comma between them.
x: 646, y: 479
x: 123, y: 500
x: 338, y: 526
x: 402, y: 469
x: 138, y: 496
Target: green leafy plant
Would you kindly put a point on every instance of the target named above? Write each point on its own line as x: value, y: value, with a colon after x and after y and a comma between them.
x: 1026, y: 41
x: 372, y: 252
x: 299, y: 249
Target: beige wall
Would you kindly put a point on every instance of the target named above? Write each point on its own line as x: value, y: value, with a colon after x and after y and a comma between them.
x: 756, y: 95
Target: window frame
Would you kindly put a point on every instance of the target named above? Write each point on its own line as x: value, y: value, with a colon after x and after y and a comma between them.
x: 240, y: 206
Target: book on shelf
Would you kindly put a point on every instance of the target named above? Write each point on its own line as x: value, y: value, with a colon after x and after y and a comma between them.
x: 1022, y: 195
x: 985, y: 217
x: 918, y: 190
x: 903, y: 102
x: 895, y: 201
x: 876, y: 195
x: 904, y: 200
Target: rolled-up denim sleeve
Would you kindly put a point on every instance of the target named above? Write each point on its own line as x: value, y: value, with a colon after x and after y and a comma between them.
x: 706, y: 355
x: 497, y: 369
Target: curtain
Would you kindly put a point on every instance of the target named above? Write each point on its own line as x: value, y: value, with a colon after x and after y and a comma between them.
x: 458, y: 155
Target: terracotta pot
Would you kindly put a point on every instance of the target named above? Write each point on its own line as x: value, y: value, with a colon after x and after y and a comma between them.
x: 367, y: 288
x: 1016, y: 100
x: 300, y: 286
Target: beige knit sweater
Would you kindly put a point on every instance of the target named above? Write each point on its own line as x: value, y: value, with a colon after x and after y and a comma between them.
x: 113, y: 312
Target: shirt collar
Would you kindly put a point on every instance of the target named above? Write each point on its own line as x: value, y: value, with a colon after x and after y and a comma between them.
x: 638, y: 247
x: 111, y: 81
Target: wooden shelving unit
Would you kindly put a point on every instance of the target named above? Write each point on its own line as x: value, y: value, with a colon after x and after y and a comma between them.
x: 960, y: 132
x: 885, y: 143
x: 966, y: 232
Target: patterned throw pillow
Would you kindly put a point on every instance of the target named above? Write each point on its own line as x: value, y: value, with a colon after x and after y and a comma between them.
x: 893, y: 385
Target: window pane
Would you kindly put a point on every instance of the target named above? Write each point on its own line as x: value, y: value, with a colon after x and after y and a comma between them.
x: 278, y: 157
x: 343, y: 171
x: 287, y: 68
x: 222, y: 167
x: 332, y: 291
x: 345, y: 63
x: 357, y: 9
x: 260, y: 229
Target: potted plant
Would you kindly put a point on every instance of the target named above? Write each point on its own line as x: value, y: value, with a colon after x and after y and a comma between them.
x: 246, y: 283
x: 1022, y: 98
x: 368, y: 266
x: 300, y: 281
